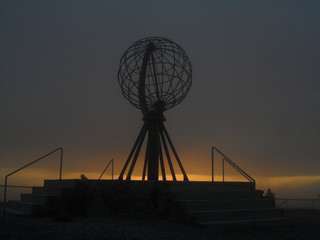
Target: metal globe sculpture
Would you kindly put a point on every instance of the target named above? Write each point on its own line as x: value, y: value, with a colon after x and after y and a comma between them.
x: 155, y: 75
x: 155, y: 72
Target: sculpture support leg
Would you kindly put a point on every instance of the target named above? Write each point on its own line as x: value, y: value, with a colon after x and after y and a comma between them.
x: 160, y: 155
x: 158, y: 138
x: 168, y: 155
x: 185, y: 178
x: 153, y: 156
x: 145, y: 164
x: 134, y: 160
x: 143, y: 129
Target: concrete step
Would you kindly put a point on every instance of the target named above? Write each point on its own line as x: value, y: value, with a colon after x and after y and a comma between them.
x: 40, y: 199
x: 46, y: 190
x: 236, y: 214
x: 173, y: 185
x: 21, y: 206
x: 207, y: 205
x: 265, y: 222
x: 13, y: 212
x: 216, y: 194
x: 58, y: 184
x: 207, y: 186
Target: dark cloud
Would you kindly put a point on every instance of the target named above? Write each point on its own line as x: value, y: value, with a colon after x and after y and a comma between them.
x: 255, y: 94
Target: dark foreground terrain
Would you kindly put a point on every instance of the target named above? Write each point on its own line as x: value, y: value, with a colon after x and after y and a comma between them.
x: 305, y: 225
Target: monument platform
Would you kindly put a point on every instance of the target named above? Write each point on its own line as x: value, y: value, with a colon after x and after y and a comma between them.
x: 211, y: 204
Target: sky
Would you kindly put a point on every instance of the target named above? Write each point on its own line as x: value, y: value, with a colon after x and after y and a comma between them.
x: 255, y: 93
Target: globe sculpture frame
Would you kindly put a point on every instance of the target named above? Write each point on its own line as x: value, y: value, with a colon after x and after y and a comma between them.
x: 155, y: 75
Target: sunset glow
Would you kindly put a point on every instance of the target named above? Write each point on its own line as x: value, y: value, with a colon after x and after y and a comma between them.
x: 285, y: 186
x: 255, y: 91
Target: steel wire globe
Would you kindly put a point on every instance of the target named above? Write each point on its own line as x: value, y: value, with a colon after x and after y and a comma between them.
x: 167, y: 79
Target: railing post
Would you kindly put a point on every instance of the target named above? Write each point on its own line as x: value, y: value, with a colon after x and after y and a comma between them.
x: 212, y: 163
x: 235, y: 166
x: 112, y: 168
x: 5, y: 196
x: 61, y: 157
x: 222, y: 169
x: 313, y: 204
x: 110, y: 162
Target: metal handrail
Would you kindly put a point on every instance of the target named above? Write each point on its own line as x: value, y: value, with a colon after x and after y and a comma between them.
x: 235, y: 167
x: 285, y: 201
x: 16, y: 186
x: 243, y: 173
x: 228, y: 160
x: 112, y: 167
x: 44, y: 156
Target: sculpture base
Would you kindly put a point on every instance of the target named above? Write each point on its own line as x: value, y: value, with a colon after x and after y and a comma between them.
x: 158, y: 148
x: 211, y: 204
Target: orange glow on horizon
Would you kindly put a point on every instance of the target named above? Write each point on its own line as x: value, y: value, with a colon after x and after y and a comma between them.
x: 34, y: 175
x: 284, y: 186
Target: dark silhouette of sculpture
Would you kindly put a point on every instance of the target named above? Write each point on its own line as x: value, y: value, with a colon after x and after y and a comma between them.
x: 155, y: 75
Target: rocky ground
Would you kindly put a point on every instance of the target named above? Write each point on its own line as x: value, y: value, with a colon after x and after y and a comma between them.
x: 305, y: 225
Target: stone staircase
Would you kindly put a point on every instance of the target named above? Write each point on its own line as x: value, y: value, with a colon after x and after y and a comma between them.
x: 33, y: 203
x: 218, y: 204
x: 227, y: 204
x: 38, y: 202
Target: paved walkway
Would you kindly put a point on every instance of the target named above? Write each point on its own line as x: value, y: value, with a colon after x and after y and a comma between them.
x: 305, y: 225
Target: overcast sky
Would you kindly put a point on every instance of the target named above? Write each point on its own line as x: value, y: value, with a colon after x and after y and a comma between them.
x: 255, y: 93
